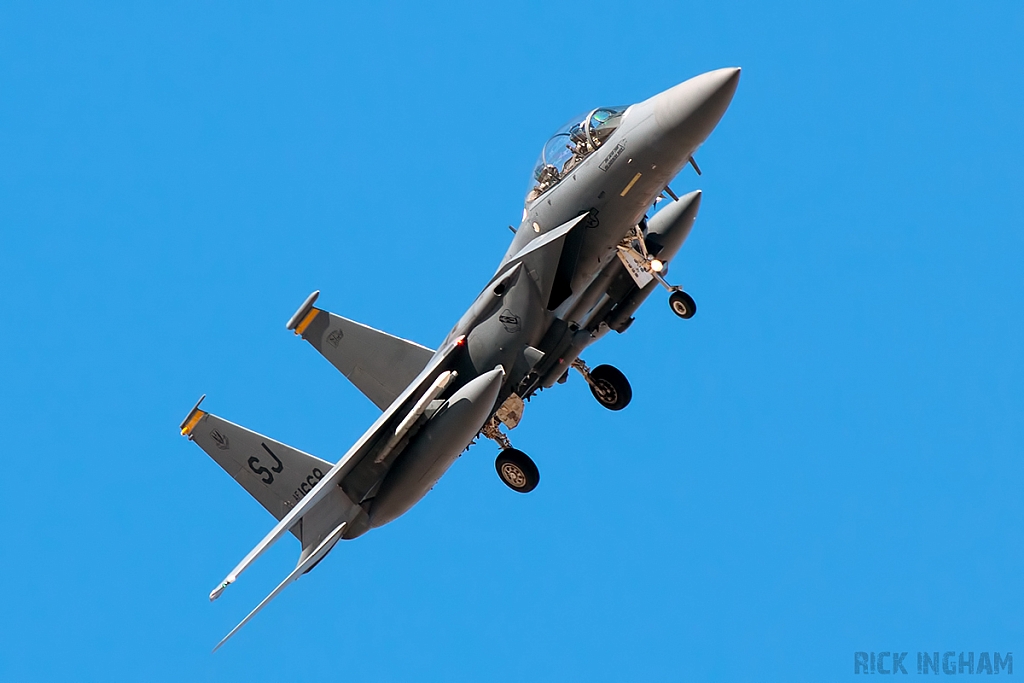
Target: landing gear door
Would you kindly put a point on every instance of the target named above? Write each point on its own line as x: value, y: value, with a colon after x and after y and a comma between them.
x: 636, y: 268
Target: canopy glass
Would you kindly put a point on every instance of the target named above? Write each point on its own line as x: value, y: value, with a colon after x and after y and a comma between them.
x: 570, y: 145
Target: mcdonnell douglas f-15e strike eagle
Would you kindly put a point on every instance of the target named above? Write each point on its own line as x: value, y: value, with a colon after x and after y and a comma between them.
x: 583, y: 259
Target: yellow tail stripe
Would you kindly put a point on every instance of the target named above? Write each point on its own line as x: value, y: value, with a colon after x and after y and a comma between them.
x: 190, y: 424
x: 301, y: 327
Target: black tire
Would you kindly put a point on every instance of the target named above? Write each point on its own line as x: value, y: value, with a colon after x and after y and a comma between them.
x: 612, y: 389
x: 682, y: 304
x: 517, y: 470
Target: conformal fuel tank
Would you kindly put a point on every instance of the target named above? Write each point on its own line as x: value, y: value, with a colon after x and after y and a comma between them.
x: 437, y: 445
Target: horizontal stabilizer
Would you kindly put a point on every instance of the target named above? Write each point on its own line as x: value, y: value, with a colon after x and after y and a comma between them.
x: 379, y: 364
x: 275, y: 474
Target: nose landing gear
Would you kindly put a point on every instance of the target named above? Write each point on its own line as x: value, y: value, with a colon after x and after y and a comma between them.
x: 643, y: 267
x: 609, y: 386
x: 682, y: 304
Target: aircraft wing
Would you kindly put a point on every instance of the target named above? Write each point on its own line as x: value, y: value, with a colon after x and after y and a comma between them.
x: 378, y: 430
x: 301, y: 568
x: 381, y: 365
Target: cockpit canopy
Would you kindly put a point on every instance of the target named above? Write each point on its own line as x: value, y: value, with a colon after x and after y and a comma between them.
x: 570, y: 145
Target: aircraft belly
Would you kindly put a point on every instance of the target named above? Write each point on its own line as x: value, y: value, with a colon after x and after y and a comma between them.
x: 437, y: 445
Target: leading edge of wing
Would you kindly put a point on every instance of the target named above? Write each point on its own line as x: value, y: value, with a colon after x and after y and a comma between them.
x: 337, y: 473
x: 300, y: 569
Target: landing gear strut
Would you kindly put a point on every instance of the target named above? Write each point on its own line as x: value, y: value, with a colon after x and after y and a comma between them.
x: 633, y: 250
x: 514, y: 467
x: 493, y: 432
x: 609, y: 386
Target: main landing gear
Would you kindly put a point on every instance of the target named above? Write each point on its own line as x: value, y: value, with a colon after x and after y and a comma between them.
x: 633, y: 251
x: 514, y: 467
x: 517, y: 470
x: 609, y: 386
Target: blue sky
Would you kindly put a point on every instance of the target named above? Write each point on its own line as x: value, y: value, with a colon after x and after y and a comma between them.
x: 826, y: 459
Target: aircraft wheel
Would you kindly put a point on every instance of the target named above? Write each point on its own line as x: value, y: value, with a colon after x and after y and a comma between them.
x: 610, y: 387
x: 517, y: 470
x: 682, y: 305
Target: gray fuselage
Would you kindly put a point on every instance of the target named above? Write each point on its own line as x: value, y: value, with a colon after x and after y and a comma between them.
x: 533, y: 335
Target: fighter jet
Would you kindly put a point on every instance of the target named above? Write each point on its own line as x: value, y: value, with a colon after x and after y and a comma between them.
x: 584, y: 258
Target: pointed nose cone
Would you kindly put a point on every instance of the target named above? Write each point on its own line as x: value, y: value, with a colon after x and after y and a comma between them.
x: 687, y: 113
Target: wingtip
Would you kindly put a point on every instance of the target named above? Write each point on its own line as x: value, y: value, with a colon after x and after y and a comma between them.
x: 223, y: 640
x: 216, y: 592
x: 216, y: 647
x: 301, y: 568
